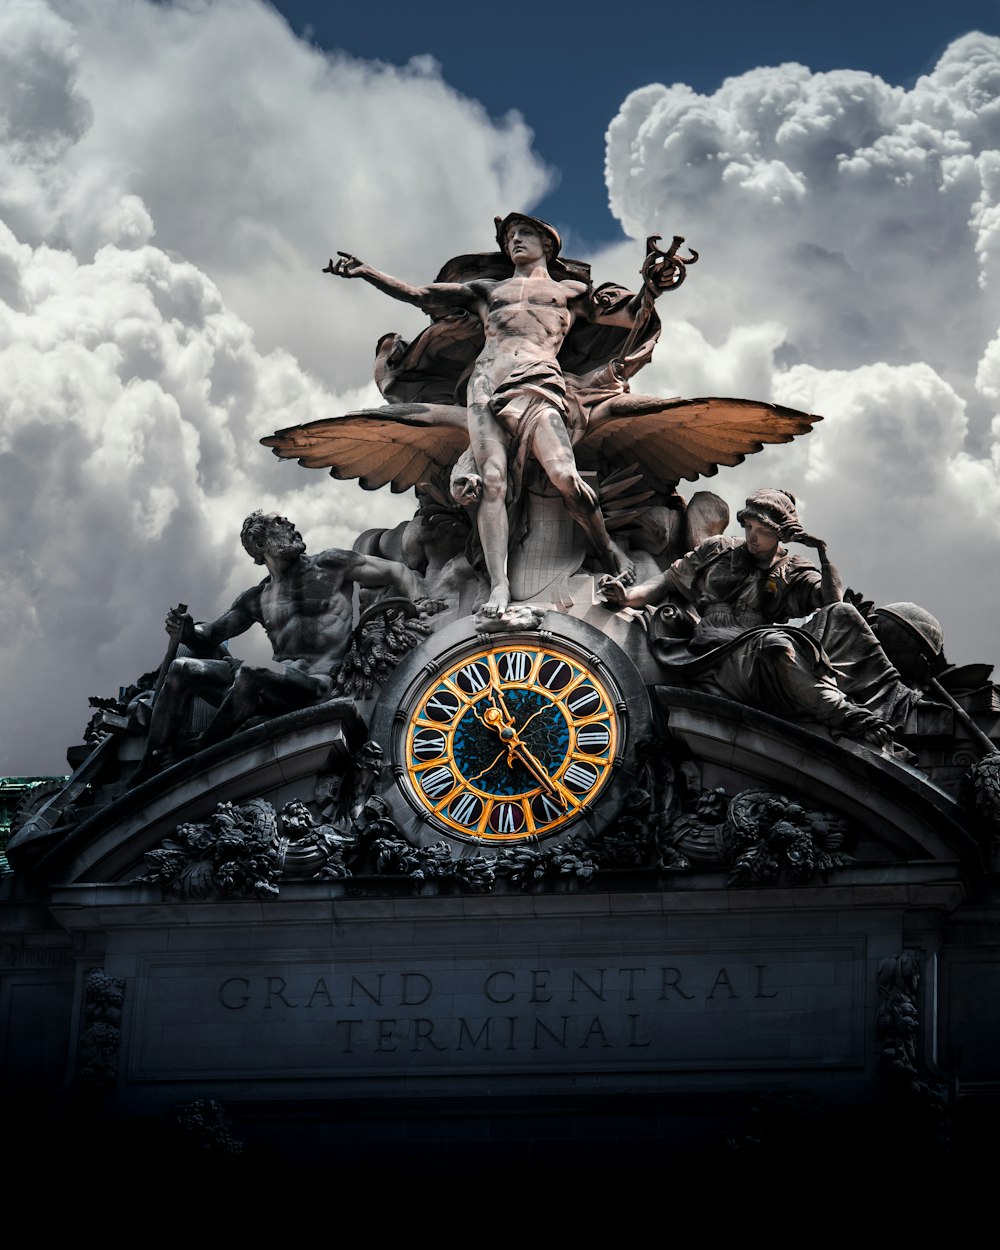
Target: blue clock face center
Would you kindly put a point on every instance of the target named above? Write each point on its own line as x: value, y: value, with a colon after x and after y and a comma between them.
x: 482, y: 756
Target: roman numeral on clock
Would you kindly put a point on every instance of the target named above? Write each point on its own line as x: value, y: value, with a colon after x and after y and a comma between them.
x: 584, y: 701
x: 580, y: 777
x: 593, y: 739
x: 554, y: 674
x: 442, y: 705
x: 428, y: 744
x: 545, y: 809
x: 514, y: 665
x: 506, y: 818
x: 437, y: 781
x: 466, y: 809
x: 473, y: 677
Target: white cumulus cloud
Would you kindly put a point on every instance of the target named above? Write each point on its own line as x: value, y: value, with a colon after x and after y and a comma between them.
x: 850, y: 241
x: 173, y: 178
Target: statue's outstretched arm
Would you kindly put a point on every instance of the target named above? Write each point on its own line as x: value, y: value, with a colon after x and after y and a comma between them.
x: 349, y: 266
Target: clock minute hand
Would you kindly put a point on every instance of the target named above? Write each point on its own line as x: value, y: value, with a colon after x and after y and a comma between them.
x: 537, y: 770
x: 499, y: 719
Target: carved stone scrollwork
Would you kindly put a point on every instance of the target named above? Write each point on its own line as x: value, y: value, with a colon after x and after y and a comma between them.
x: 898, y: 984
x: 237, y: 851
x: 764, y: 838
x: 897, y: 1029
x: 100, y: 1039
x: 986, y: 788
x: 205, y: 1128
x: 387, y: 631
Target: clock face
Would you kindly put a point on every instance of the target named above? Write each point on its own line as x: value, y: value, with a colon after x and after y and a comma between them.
x: 511, y: 741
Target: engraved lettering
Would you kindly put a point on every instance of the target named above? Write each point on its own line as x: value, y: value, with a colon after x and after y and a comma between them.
x: 760, y: 983
x: 488, y: 987
x: 539, y: 987
x: 540, y: 1024
x: 596, y: 1030
x: 243, y: 996
x: 722, y: 980
x: 348, y: 1048
x: 630, y: 996
x: 385, y: 1035
x: 276, y: 989
x: 465, y: 1031
x: 578, y: 976
x: 670, y: 979
x: 320, y: 988
x: 376, y: 998
x: 416, y: 977
x: 423, y: 1031
x: 633, y: 1028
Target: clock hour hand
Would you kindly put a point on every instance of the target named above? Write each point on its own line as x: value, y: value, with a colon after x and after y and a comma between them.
x: 500, y: 721
x: 501, y: 703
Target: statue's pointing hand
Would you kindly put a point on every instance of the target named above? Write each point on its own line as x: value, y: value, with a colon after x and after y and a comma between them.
x: 347, y: 267
x: 614, y: 590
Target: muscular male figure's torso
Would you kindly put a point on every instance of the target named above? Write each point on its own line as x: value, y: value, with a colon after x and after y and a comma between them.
x: 308, y: 613
x: 525, y: 320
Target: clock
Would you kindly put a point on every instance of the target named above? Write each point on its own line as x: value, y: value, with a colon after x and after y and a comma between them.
x: 497, y: 739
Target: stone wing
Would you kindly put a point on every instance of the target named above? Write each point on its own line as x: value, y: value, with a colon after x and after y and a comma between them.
x: 398, y: 445
x: 670, y: 439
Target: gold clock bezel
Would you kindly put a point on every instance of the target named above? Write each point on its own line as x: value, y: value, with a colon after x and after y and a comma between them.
x: 445, y: 793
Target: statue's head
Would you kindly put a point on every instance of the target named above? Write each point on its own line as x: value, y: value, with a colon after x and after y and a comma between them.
x: 912, y: 639
x: 771, y: 507
x: 548, y: 234
x: 270, y: 534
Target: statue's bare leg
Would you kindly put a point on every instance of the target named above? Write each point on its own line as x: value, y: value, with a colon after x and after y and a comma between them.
x: 258, y: 690
x: 490, y: 450
x: 186, y: 678
x: 554, y: 452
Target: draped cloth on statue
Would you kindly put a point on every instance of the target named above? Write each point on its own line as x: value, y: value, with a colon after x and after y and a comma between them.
x: 831, y: 669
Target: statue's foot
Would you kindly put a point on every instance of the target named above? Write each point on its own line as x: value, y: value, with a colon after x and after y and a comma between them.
x: 153, y: 763
x: 620, y: 566
x: 496, y: 605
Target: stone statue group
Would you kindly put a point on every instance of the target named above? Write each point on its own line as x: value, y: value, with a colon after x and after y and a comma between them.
x: 540, y: 476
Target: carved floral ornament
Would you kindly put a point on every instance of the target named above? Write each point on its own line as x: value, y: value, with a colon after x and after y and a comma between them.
x: 759, y: 837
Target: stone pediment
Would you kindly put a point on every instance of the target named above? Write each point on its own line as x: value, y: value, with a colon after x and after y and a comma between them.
x: 894, y: 822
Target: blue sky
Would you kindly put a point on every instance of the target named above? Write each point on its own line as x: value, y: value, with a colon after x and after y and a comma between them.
x: 567, y: 67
